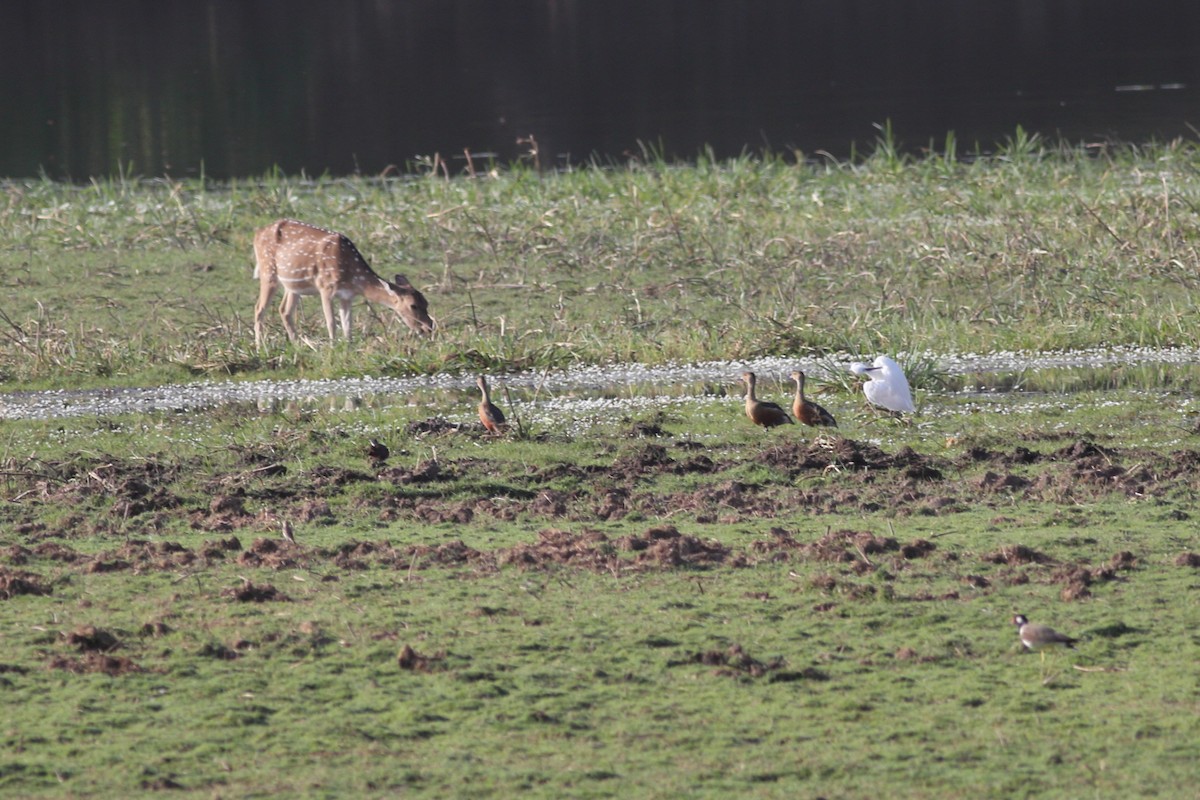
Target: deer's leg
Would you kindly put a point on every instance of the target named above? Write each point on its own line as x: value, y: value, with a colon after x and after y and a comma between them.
x: 287, y: 312
x: 266, y: 289
x: 344, y: 312
x: 327, y: 307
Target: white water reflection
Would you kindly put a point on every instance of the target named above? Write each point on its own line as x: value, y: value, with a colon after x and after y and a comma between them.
x: 625, y: 380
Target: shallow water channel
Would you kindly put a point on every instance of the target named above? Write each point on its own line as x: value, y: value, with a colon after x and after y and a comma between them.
x: 639, y: 384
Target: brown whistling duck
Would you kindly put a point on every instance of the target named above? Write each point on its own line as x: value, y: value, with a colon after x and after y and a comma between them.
x: 806, y: 410
x: 491, y: 417
x: 761, y: 412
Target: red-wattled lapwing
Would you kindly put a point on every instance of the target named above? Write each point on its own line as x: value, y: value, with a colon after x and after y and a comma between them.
x: 761, y: 412
x: 806, y: 410
x: 1040, y: 638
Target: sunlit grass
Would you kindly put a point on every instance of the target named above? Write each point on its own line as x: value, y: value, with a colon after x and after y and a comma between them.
x: 1036, y: 247
x: 901, y: 680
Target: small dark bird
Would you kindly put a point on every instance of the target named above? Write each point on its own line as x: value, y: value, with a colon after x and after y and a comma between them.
x: 761, y: 412
x: 377, y: 451
x: 1040, y: 638
x: 491, y: 416
x: 806, y: 410
x: 286, y: 530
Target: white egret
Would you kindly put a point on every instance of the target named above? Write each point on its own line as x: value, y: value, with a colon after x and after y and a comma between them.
x: 887, y: 387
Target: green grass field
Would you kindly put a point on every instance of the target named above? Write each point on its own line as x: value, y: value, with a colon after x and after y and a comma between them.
x: 1037, y: 248
x: 618, y: 602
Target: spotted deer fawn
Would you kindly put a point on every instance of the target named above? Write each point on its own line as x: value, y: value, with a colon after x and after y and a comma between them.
x: 306, y: 260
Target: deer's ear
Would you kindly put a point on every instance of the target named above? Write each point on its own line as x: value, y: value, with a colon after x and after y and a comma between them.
x: 402, y: 281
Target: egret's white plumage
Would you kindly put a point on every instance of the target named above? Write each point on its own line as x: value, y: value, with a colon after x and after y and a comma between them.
x: 887, y: 387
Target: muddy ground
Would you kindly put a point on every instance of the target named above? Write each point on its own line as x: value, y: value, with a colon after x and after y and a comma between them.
x: 830, y: 475
x: 238, y: 521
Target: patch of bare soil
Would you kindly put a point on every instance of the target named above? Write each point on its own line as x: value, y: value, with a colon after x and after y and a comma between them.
x: 1017, y: 554
x: 733, y: 662
x: 95, y: 662
x: 409, y: 659
x: 272, y: 553
x: 96, y: 645
x: 89, y: 637
x: 664, y: 546
x: 432, y: 426
x: 17, y: 582
x: 251, y: 593
x: 1078, y: 578
x: 587, y: 549
x: 826, y: 474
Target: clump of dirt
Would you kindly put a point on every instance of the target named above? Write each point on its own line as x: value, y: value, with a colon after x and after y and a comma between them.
x: 550, y: 503
x: 250, y: 593
x: 665, y: 546
x: 219, y: 652
x: 1017, y: 554
x: 228, y: 504
x: 734, y: 662
x: 650, y: 458
x: 992, y: 483
x: 17, y: 582
x: 432, y: 425
x: 156, y: 628
x: 453, y: 553
x: 356, y: 555
x: 90, y: 638
x: 213, y: 550
x: 645, y: 430
x: 326, y: 477
x: 917, y: 548
x: 1123, y: 560
x: 425, y: 472
x: 589, y: 549
x: 95, y: 661
x: 270, y: 553
x: 159, y: 784
x: 842, y: 546
x: 409, y: 659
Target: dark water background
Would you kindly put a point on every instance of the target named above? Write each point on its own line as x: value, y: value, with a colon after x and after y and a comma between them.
x: 236, y: 88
